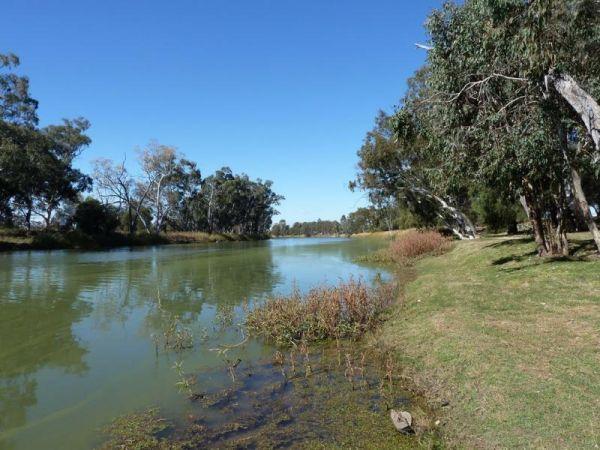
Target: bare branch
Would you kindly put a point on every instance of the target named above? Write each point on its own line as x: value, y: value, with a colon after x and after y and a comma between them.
x: 423, y: 47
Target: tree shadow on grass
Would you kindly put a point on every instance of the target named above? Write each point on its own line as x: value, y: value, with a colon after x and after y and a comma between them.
x: 581, y: 251
x: 583, y: 248
x: 538, y: 261
x: 511, y: 242
x: 513, y: 258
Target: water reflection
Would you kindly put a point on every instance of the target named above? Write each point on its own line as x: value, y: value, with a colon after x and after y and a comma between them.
x: 76, y: 329
x: 38, y: 307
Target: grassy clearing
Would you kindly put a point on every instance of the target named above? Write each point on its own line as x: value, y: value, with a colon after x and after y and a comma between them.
x: 15, y: 239
x: 345, y: 311
x: 511, y: 341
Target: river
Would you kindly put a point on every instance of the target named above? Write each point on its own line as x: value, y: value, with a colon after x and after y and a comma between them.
x: 80, y: 332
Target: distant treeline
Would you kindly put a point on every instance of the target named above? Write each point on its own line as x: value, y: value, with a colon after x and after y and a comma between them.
x: 363, y: 220
x: 39, y: 187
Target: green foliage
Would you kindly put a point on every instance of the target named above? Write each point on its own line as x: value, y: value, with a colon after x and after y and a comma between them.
x: 228, y: 203
x: 92, y: 217
x: 308, y: 229
x: 16, y: 105
x: 37, y: 179
x: 494, y: 212
x: 36, y: 164
x: 489, y: 112
x: 401, y: 175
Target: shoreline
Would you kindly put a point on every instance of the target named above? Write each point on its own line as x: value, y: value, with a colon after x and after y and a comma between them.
x: 492, y: 328
x: 18, y: 240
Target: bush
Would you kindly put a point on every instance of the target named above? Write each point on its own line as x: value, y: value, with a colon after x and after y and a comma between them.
x: 414, y: 244
x: 92, y: 217
x: 345, y: 311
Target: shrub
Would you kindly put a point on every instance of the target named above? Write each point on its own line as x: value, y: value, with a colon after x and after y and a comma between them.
x: 414, y: 244
x: 344, y: 311
x: 92, y: 217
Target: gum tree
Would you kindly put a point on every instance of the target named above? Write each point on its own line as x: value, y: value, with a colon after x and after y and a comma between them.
x: 494, y: 66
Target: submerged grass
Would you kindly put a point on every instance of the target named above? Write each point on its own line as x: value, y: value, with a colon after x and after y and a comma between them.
x: 138, y: 431
x: 508, y: 341
x: 328, y: 397
x: 347, y: 310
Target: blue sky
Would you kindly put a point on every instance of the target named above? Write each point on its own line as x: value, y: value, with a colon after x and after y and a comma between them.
x: 281, y: 89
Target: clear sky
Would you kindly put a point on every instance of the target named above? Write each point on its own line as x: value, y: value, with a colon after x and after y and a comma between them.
x: 280, y: 89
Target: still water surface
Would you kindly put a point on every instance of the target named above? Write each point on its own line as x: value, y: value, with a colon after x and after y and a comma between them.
x: 79, y: 330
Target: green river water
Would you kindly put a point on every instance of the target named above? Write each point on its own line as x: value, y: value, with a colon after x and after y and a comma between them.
x: 79, y: 331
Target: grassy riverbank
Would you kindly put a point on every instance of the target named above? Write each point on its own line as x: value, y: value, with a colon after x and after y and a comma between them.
x: 510, y: 342
x: 15, y: 239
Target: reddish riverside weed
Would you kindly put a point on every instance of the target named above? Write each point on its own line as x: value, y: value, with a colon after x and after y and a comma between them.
x: 347, y: 310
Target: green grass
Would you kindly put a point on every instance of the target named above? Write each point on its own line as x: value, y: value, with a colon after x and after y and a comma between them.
x: 510, y: 340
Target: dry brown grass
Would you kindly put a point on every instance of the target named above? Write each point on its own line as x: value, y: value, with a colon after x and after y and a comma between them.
x: 408, y: 246
x: 347, y: 310
x: 415, y: 243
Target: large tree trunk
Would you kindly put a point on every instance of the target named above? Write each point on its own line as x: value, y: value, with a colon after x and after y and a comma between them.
x: 584, y: 207
x: 583, y: 103
x: 536, y: 221
x: 581, y: 203
x: 28, y: 215
x: 132, y: 219
x: 557, y: 229
x: 547, y: 221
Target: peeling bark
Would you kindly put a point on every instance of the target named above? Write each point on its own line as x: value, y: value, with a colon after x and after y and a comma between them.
x: 536, y: 222
x: 581, y: 203
x: 584, y: 207
x: 583, y: 103
x: 460, y: 224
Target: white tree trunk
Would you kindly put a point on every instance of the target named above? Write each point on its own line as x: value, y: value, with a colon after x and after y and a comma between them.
x: 583, y: 103
x: 584, y: 206
x: 460, y: 224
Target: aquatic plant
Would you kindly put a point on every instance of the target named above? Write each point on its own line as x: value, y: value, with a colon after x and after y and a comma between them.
x: 347, y: 310
x: 185, y: 382
x: 142, y: 430
x: 176, y: 336
x: 224, y: 316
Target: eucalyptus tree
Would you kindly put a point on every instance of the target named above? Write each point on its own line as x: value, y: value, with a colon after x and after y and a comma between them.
x: 281, y: 228
x: 491, y: 63
x: 60, y: 181
x: 36, y: 165
x: 394, y: 167
x: 116, y: 186
x: 235, y: 203
x: 166, y: 173
x: 16, y: 104
x: 17, y: 109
